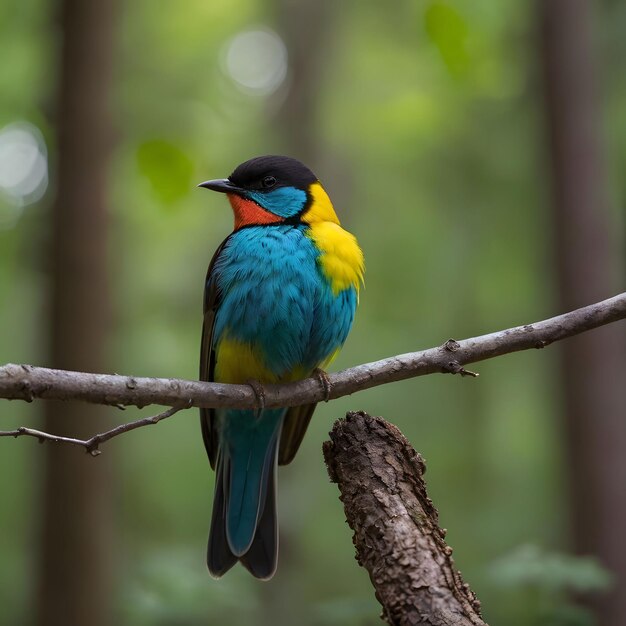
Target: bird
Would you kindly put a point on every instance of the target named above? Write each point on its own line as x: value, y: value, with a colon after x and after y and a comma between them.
x: 279, y: 300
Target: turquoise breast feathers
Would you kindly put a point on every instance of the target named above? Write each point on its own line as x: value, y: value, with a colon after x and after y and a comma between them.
x: 294, y: 320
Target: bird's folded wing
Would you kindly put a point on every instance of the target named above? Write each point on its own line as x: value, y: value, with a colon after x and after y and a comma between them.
x: 207, y: 355
x: 296, y: 421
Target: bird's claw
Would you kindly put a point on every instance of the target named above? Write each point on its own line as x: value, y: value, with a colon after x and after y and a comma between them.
x: 324, y: 379
x: 259, y: 393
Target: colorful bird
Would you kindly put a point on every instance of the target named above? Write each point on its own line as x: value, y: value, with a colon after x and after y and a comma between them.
x: 279, y: 300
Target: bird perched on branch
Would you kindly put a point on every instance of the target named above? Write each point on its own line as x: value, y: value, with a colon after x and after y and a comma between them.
x: 279, y: 301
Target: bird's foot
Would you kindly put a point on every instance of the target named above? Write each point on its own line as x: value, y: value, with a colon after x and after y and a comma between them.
x: 324, y: 379
x: 259, y: 393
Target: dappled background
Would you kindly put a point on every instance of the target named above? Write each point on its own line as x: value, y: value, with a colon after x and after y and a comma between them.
x: 430, y: 125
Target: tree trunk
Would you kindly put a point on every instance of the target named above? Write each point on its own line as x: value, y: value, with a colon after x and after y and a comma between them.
x: 396, y: 526
x: 303, y: 25
x: 74, y: 570
x: 588, y: 260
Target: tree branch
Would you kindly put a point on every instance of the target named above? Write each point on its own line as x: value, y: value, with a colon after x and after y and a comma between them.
x: 92, y: 444
x: 396, y: 526
x: 27, y: 382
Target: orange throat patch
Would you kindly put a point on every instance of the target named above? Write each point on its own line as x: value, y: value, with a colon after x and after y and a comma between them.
x: 248, y: 212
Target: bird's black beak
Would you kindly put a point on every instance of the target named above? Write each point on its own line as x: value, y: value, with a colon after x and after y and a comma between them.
x: 223, y: 185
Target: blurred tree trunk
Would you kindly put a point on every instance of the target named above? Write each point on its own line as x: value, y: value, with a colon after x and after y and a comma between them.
x: 74, y: 569
x: 588, y: 262
x: 303, y: 25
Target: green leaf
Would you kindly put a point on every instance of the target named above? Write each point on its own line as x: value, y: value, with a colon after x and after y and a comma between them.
x: 447, y: 29
x: 167, y: 167
x: 550, y: 571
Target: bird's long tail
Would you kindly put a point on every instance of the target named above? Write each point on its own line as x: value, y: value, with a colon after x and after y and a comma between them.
x: 243, y: 525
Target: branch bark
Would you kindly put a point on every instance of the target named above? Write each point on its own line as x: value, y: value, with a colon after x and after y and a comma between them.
x: 26, y: 382
x: 396, y: 526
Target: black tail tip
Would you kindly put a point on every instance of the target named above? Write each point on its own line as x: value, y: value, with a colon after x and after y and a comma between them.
x: 219, y: 560
x: 261, y: 568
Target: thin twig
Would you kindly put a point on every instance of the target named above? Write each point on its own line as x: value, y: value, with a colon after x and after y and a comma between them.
x: 92, y: 444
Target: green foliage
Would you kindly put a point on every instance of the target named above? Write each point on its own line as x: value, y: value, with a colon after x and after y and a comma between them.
x: 549, y: 581
x: 167, y: 167
x: 447, y: 29
x: 531, y: 567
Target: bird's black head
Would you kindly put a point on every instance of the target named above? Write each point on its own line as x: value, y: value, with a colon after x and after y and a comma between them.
x: 278, y: 184
x: 271, y: 172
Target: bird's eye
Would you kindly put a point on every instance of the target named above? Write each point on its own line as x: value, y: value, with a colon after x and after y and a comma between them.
x: 269, y: 181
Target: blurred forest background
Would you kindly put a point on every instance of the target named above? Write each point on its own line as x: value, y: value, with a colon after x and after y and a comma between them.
x: 476, y: 150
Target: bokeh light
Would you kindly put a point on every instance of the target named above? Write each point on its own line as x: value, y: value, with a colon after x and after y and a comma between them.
x: 23, y: 169
x: 256, y: 60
